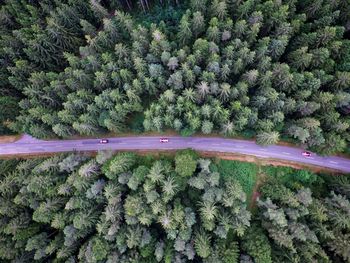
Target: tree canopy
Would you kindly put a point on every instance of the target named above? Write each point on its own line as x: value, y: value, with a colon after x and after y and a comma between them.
x: 73, y: 207
x: 276, y: 69
x: 127, y: 208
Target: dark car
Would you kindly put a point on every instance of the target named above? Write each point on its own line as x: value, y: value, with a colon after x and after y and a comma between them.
x: 103, y: 141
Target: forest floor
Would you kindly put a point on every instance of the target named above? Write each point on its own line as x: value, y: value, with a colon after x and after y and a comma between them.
x: 260, y: 179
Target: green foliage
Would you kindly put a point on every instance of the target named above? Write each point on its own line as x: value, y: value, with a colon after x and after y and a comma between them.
x: 267, y: 138
x: 119, y: 164
x: 34, y: 38
x: 140, y: 208
x: 231, y: 253
x: 252, y: 68
x: 244, y: 173
x: 8, y: 111
x: 186, y: 132
x: 6, y: 166
x: 137, y: 123
x: 339, y: 184
x: 202, y: 244
x: 292, y: 177
x: 263, y: 69
x: 123, y: 206
x: 257, y: 245
x: 168, y: 12
x: 186, y: 162
x: 100, y: 249
x: 304, y: 227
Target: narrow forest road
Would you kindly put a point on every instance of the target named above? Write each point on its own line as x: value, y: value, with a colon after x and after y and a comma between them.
x: 29, y: 145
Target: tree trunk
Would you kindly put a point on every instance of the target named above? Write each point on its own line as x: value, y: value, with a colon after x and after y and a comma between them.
x: 147, y: 4
x: 128, y: 4
x: 143, y: 6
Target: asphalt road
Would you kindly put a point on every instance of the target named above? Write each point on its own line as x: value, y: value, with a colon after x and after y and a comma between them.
x: 29, y: 145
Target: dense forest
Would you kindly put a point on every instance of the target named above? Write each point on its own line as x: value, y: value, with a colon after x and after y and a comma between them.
x: 268, y: 69
x: 264, y: 69
x: 129, y: 208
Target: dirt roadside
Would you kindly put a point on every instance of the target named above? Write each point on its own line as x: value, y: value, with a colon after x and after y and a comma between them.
x: 9, y: 138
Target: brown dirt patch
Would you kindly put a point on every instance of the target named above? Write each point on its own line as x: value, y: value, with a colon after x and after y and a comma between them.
x: 255, y: 197
x: 260, y: 179
x: 41, y: 155
x: 26, y: 156
x: 9, y: 138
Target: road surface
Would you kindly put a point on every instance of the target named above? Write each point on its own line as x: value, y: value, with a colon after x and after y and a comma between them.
x: 29, y: 145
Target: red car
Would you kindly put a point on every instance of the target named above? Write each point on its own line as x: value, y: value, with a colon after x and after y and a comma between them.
x: 103, y: 141
x: 162, y: 140
x: 306, y: 154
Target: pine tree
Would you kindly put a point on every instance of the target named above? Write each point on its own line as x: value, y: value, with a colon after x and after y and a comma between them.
x: 202, y: 244
x: 267, y: 138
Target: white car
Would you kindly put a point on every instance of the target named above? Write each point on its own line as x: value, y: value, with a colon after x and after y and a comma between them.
x: 163, y: 140
x: 306, y: 154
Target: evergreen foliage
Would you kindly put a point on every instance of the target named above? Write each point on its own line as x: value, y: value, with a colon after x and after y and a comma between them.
x: 127, y: 208
x: 304, y: 228
x: 71, y: 208
x: 244, y: 173
x: 274, y: 69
